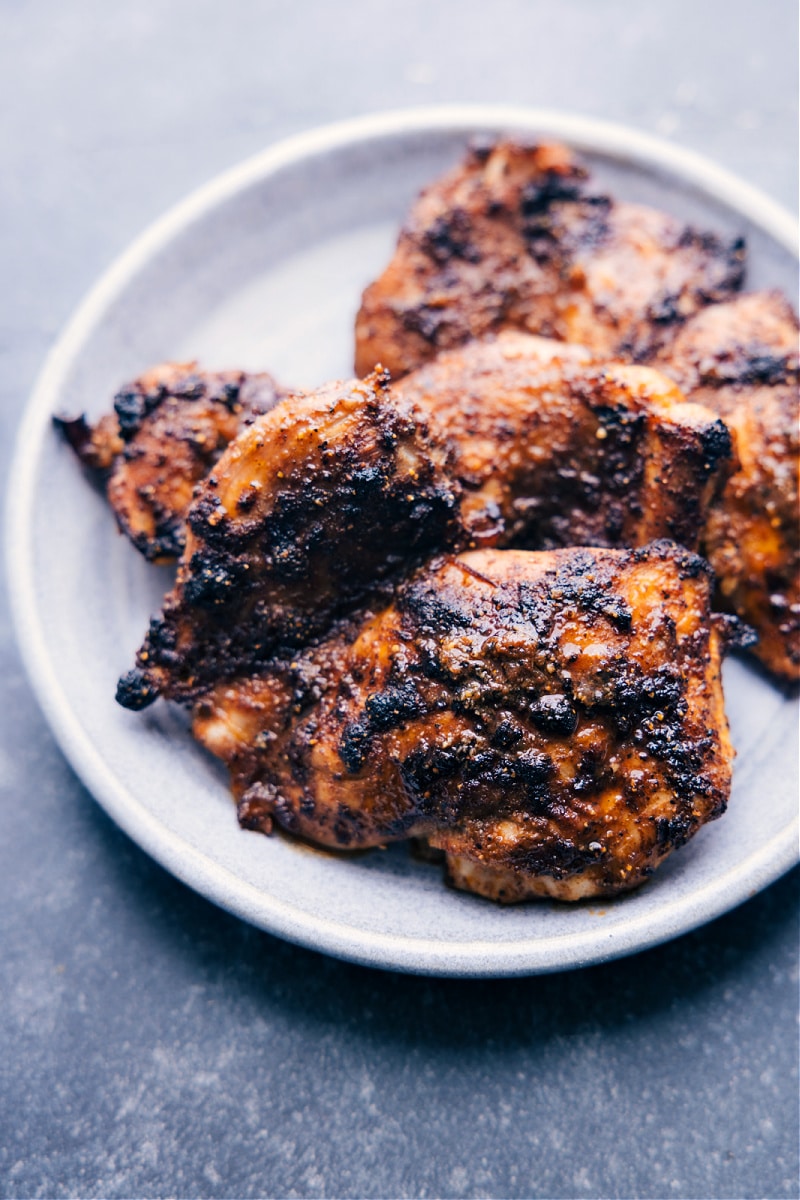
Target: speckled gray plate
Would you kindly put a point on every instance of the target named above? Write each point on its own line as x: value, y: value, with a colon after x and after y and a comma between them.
x: 264, y: 268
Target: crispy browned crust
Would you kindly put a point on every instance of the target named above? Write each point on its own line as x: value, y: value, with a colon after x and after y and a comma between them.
x: 511, y: 442
x: 516, y: 236
x: 168, y: 429
x: 552, y: 448
x: 740, y: 360
x: 316, y: 503
x: 552, y: 721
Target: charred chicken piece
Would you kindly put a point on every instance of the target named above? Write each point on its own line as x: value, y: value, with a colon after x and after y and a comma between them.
x: 323, y: 498
x: 552, y: 721
x: 552, y: 449
x: 516, y: 236
x: 331, y: 495
x: 740, y: 360
x: 168, y: 429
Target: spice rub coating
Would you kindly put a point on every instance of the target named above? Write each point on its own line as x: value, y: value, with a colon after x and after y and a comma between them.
x: 325, y: 497
x: 516, y: 441
x: 168, y: 428
x: 554, y: 448
x: 551, y: 721
x: 740, y: 360
x: 517, y: 236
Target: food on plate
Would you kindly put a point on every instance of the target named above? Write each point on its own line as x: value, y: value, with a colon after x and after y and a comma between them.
x: 167, y: 430
x: 516, y: 235
x: 515, y: 441
x: 552, y: 721
x: 555, y: 448
x: 740, y: 359
x: 316, y: 502
x: 458, y: 600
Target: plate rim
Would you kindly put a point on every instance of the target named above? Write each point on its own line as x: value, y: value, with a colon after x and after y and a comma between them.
x: 194, y: 867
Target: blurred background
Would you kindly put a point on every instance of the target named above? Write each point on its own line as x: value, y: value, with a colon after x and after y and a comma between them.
x: 150, y: 1045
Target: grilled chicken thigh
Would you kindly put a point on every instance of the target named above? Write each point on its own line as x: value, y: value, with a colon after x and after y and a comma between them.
x: 554, y: 449
x: 457, y: 600
x: 326, y: 496
x: 552, y: 721
x: 740, y: 360
x: 516, y: 236
x: 514, y: 441
x: 168, y: 429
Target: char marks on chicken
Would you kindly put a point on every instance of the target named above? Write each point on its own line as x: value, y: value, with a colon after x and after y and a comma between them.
x: 167, y: 430
x: 332, y: 495
x: 551, y: 721
x: 740, y: 359
x: 457, y: 600
x: 516, y: 236
x: 554, y: 448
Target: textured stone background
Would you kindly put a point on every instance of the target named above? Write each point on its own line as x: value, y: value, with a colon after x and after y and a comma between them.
x: 152, y: 1046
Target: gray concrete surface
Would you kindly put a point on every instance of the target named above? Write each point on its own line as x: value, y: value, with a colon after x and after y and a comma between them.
x: 152, y: 1046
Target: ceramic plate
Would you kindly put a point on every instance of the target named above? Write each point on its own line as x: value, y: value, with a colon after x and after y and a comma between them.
x: 263, y: 268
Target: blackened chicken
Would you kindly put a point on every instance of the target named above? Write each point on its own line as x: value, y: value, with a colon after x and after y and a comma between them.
x: 167, y: 430
x: 517, y: 236
x: 740, y: 359
x: 516, y: 441
x: 551, y: 721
